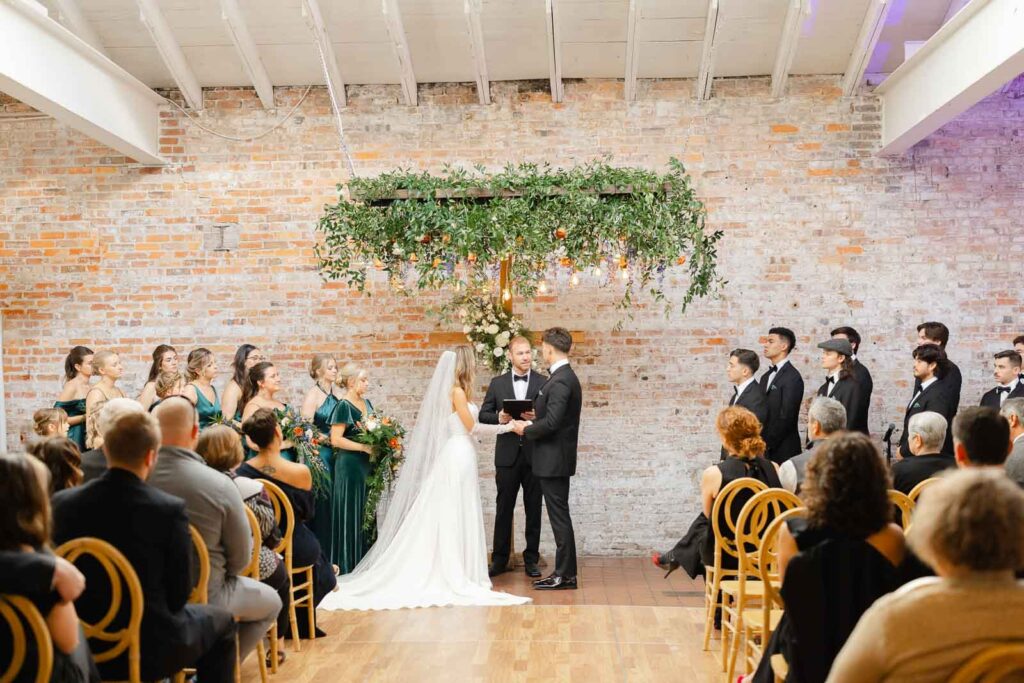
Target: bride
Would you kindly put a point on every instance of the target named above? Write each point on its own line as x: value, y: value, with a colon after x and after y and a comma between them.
x: 431, y: 549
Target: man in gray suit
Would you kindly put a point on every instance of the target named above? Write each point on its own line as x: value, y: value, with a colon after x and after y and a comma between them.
x: 215, y: 508
x: 1013, y: 410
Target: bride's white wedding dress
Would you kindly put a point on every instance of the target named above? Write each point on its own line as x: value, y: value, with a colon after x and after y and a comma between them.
x: 438, y: 553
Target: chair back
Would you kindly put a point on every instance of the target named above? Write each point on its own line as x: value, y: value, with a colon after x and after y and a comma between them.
x: 200, y: 592
x: 253, y: 570
x: 915, y: 492
x: 15, y: 609
x: 768, y: 557
x: 992, y: 664
x: 904, y: 504
x: 285, y: 517
x: 122, y: 579
x: 754, y: 518
x: 725, y: 539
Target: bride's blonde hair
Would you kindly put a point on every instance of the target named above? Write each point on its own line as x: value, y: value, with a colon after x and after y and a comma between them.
x: 465, y: 365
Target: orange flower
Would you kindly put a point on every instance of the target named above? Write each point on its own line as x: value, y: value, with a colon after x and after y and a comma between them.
x: 393, y: 443
x: 297, y: 432
x: 386, y: 421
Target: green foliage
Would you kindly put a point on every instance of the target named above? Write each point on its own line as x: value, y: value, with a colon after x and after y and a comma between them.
x: 452, y: 229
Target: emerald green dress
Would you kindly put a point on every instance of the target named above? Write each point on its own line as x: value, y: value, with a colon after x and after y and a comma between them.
x: 209, y: 412
x: 76, y: 432
x: 322, y: 519
x: 351, y: 468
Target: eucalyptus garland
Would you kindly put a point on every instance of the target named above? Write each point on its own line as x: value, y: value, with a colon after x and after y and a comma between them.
x: 450, y: 230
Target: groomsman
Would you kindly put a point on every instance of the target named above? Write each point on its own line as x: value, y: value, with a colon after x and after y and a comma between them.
x: 930, y: 367
x: 746, y: 392
x: 860, y: 373
x: 1007, y: 375
x: 938, y: 334
x: 783, y: 387
x: 1018, y: 346
x: 841, y: 385
x: 513, y: 459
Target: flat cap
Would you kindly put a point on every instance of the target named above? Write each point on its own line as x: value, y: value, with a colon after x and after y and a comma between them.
x: 838, y: 345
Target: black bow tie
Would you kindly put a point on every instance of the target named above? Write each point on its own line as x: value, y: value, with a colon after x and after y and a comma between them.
x: 1003, y: 390
x: 774, y: 368
x: 830, y: 379
x: 520, y: 378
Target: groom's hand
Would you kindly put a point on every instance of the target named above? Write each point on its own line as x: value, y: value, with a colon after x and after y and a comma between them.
x: 504, y: 418
x: 519, y: 426
x: 529, y: 415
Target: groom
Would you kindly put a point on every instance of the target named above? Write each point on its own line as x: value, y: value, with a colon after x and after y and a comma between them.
x: 554, y: 434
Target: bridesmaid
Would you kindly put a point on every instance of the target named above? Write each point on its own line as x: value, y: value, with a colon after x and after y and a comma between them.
x: 246, y: 356
x: 165, y: 359
x: 107, y: 365
x: 200, y: 371
x: 351, y: 467
x: 318, y: 407
x: 77, y: 371
x: 261, y: 383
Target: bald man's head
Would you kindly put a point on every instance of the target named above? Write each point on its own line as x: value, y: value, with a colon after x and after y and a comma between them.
x: 179, y: 422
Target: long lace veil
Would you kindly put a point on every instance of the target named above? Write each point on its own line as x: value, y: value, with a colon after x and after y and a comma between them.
x: 421, y: 450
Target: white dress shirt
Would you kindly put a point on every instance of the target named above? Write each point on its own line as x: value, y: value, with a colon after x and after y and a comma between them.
x: 924, y: 385
x: 519, y: 387
x: 835, y: 381
x: 739, y: 390
x: 1011, y: 386
x: 557, y: 364
x: 778, y: 369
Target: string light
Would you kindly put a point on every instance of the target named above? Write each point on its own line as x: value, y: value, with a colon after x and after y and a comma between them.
x: 506, y: 295
x: 624, y: 274
x: 542, y: 287
x: 597, y: 271
x: 574, y: 280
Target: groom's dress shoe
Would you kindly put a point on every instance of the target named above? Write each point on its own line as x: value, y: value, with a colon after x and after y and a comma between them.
x: 556, y: 583
x: 532, y: 570
x: 495, y: 569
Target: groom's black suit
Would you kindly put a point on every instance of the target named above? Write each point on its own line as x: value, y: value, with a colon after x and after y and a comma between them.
x: 555, y: 433
x: 513, y: 456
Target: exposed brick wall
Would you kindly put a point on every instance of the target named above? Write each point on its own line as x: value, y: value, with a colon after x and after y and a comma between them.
x: 819, y: 232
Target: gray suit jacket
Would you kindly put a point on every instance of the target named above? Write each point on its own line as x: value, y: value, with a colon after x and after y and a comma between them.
x: 214, y: 507
x: 1015, y: 462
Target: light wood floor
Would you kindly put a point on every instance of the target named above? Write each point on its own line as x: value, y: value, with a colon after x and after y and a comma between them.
x: 626, y: 624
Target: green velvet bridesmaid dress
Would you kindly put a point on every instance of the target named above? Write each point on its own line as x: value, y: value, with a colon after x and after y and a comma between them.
x: 322, y: 519
x: 208, y: 411
x: 76, y: 432
x: 351, y: 468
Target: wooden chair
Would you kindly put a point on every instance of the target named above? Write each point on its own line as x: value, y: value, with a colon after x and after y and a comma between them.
x: 741, y: 599
x: 119, y: 571
x: 302, y: 577
x: 992, y: 664
x: 15, y: 609
x: 915, y: 492
x: 904, y: 504
x: 771, y: 601
x: 201, y: 591
x: 253, y: 572
x: 715, y: 575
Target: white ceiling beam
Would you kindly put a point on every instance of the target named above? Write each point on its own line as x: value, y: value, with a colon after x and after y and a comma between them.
x: 48, y: 67
x: 174, y: 59
x: 70, y: 14
x: 632, y: 49
x: 954, y: 7
x: 870, y: 30
x: 400, y: 45
x: 315, y: 22
x: 473, y: 10
x: 707, y: 53
x: 554, y: 50
x: 950, y: 74
x: 233, y: 18
x: 795, y: 13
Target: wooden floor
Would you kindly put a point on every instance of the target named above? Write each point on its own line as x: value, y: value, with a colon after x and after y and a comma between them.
x: 626, y: 623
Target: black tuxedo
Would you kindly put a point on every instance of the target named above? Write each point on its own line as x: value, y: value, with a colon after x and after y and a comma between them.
x: 953, y: 382
x: 150, y: 528
x: 865, y: 386
x: 754, y: 400
x: 847, y: 392
x: 555, y: 436
x: 512, y: 470
x: 936, y: 398
x: 990, y: 398
x: 781, y: 431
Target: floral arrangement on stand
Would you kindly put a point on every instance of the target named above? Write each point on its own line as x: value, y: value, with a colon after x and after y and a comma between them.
x: 384, y: 435
x: 305, y: 440
x: 488, y: 328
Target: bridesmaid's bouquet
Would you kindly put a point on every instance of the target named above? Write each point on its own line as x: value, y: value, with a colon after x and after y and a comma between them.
x: 384, y: 436
x: 306, y: 441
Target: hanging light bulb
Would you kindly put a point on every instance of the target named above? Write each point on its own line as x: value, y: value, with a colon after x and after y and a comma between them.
x: 624, y: 274
x: 598, y: 272
x: 543, y: 287
x: 574, y: 280
x: 506, y: 294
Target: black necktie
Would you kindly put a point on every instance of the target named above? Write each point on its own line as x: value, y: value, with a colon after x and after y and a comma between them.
x: 520, y: 378
x: 735, y: 395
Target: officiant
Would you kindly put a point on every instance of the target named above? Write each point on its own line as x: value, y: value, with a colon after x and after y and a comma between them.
x: 512, y: 458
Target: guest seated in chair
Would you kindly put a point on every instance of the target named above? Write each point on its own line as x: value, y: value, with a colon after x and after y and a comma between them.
x: 150, y: 528
x: 968, y: 528
x: 94, y: 462
x: 27, y: 569
x: 927, y: 434
x: 740, y: 433
x: 837, y: 561
x: 825, y: 417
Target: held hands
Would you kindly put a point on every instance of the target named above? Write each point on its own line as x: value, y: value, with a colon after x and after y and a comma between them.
x: 519, y: 425
x: 504, y: 418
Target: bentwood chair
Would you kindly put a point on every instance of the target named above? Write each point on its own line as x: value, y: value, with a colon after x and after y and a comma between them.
x: 904, y: 504
x: 741, y: 602
x: 771, y: 602
x: 106, y: 643
x: 993, y: 664
x: 915, y: 492
x: 200, y: 592
x: 302, y: 577
x: 253, y: 572
x: 20, y: 613
x: 725, y: 546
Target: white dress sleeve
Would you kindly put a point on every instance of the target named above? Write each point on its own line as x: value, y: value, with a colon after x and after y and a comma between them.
x: 480, y: 429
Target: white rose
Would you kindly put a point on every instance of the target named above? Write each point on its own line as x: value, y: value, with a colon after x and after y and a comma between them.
x: 462, y: 313
x: 502, y: 339
x: 492, y: 329
x: 498, y: 352
x: 372, y: 425
x: 466, y: 329
x: 480, y: 346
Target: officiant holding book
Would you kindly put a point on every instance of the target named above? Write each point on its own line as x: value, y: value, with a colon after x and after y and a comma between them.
x: 510, y: 396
